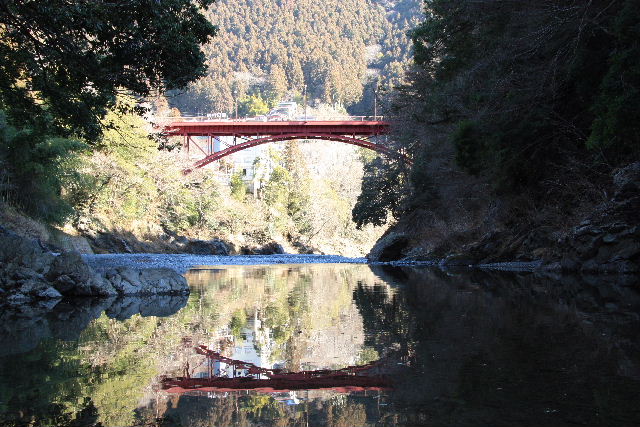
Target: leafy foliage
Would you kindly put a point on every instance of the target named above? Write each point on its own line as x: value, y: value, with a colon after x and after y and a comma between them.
x: 536, y: 99
x: 616, y: 127
x: 238, y: 187
x: 63, y: 66
x: 287, y: 191
x: 37, y: 168
x: 65, y: 62
x: 380, y: 195
x: 516, y: 80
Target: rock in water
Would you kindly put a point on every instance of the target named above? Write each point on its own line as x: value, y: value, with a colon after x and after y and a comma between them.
x: 149, y: 281
x: 22, y: 264
x: 71, y: 275
x: 29, y: 273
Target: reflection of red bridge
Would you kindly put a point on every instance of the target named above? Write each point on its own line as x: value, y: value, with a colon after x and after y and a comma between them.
x: 351, y: 378
x: 248, y: 134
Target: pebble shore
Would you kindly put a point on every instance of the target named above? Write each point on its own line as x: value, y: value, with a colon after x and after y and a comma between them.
x: 184, y: 262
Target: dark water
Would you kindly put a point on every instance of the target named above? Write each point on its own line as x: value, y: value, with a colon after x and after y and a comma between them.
x: 462, y: 349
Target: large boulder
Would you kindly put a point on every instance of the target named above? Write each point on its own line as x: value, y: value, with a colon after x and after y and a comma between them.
x: 206, y: 247
x: 22, y: 252
x: 22, y: 264
x: 71, y: 276
x: 28, y: 273
x: 149, y: 281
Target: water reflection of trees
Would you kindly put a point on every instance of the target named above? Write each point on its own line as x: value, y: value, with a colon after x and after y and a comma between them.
x: 481, y: 349
x: 506, y: 349
x: 113, y: 363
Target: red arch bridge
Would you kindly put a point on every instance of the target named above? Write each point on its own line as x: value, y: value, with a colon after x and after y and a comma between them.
x: 246, y: 134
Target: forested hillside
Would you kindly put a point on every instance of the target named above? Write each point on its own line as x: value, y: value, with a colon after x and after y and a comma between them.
x: 266, y: 48
x: 517, y: 115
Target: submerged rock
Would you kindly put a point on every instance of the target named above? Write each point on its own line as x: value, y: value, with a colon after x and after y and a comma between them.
x: 156, y: 305
x: 23, y: 327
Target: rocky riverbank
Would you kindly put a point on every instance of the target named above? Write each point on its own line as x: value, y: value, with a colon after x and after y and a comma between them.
x: 29, y: 272
x: 605, y: 240
x: 169, y: 242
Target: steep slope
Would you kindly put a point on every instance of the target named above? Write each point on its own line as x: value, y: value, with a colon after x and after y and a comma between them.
x: 268, y: 48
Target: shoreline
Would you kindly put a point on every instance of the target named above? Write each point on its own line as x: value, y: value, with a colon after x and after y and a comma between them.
x: 182, y: 263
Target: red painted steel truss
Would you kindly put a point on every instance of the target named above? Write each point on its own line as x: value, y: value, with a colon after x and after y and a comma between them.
x: 250, y: 134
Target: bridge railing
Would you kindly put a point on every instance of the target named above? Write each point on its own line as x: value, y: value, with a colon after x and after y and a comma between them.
x: 257, y: 119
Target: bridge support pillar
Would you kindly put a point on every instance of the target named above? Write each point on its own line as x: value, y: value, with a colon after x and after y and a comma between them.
x: 185, y: 145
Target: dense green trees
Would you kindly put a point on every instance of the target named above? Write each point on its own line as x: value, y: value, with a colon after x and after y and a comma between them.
x: 287, y: 192
x: 616, y: 127
x: 63, y: 65
x: 381, y: 193
x: 35, y: 166
x: 64, y: 62
x: 526, y: 85
x: 535, y: 98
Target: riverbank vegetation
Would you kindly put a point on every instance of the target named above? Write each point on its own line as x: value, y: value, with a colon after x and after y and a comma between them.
x: 517, y: 114
x: 64, y: 68
x: 143, y: 195
x: 125, y: 195
x: 64, y: 65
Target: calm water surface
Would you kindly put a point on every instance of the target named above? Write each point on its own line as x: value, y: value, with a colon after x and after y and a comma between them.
x: 461, y: 349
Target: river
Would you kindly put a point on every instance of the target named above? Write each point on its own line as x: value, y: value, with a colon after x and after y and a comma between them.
x: 456, y: 348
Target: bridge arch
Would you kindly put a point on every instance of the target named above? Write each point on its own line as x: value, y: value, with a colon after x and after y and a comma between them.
x: 253, y: 133
x: 278, y: 138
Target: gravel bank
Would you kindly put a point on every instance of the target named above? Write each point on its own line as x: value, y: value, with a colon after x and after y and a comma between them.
x: 183, y: 262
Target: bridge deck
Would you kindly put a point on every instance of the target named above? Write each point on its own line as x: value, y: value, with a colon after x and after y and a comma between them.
x: 243, y: 129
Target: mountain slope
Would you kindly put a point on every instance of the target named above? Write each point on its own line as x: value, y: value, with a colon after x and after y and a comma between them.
x: 269, y: 48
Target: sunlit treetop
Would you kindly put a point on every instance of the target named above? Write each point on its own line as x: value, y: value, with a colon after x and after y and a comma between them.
x: 63, y: 62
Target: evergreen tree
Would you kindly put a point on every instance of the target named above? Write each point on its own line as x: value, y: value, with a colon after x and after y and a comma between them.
x: 277, y: 83
x: 381, y: 194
